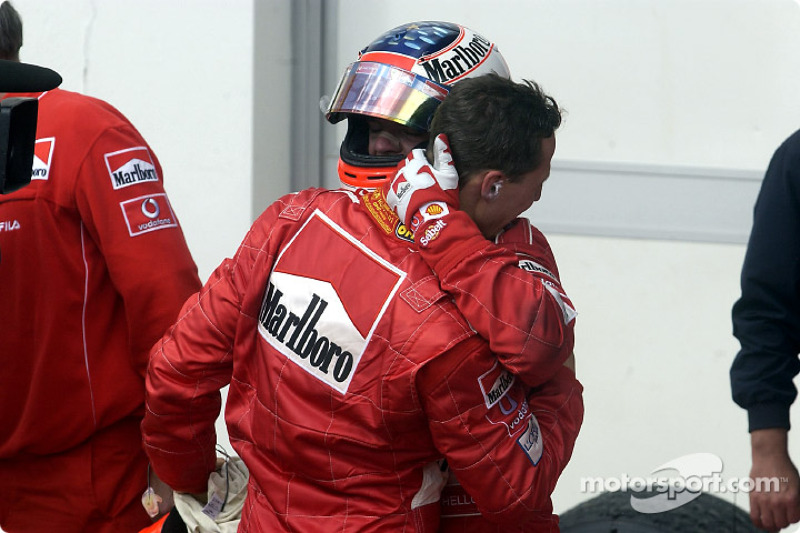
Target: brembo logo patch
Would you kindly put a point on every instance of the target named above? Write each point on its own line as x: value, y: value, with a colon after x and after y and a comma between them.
x: 318, y: 318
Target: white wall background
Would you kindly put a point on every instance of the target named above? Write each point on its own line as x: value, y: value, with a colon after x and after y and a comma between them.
x: 709, y: 85
x: 182, y: 72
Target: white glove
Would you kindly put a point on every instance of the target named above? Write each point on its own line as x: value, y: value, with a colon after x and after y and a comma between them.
x: 421, y: 192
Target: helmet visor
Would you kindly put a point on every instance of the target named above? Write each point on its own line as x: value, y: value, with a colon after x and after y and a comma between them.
x: 387, y: 92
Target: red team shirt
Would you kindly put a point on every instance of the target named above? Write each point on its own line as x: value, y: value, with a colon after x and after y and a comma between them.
x: 93, y: 269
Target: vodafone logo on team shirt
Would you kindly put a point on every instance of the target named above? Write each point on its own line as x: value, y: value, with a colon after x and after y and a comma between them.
x: 42, y: 156
x: 148, y: 213
x: 318, y: 319
x: 130, y: 166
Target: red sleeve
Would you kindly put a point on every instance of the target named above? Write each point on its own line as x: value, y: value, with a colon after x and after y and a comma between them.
x: 506, y: 443
x: 194, y: 361
x: 121, y: 198
x: 187, y: 369
x: 509, y: 293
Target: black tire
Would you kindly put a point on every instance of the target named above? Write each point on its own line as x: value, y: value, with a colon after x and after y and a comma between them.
x: 611, y: 512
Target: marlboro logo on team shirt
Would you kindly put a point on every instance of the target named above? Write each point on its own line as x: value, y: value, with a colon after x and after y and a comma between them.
x: 130, y: 166
x: 148, y: 213
x: 42, y: 156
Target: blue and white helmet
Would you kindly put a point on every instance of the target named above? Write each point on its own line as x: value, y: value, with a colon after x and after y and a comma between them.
x: 403, y: 76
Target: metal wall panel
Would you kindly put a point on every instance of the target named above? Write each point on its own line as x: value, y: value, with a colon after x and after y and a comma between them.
x: 648, y: 202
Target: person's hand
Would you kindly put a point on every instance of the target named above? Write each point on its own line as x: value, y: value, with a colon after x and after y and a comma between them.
x: 202, y: 496
x: 421, y: 191
x: 770, y: 508
x: 157, y: 499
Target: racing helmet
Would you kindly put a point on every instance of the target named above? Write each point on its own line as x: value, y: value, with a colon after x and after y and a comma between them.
x: 403, y: 76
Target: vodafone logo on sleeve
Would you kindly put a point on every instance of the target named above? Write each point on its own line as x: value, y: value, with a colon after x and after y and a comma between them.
x: 148, y: 213
x: 42, y: 156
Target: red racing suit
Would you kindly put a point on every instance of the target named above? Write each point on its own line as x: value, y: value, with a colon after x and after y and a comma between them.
x: 511, y: 294
x: 351, y: 373
x: 513, y: 299
x: 93, y: 269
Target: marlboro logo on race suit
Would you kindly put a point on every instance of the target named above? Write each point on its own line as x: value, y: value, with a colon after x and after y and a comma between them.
x: 401, y: 188
x: 508, y: 407
x: 512, y: 412
x: 42, y: 156
x: 495, y: 383
x: 130, y: 167
x: 148, y: 213
x: 318, y: 316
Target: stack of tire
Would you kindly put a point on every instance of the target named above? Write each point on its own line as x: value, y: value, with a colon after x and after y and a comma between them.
x: 611, y: 512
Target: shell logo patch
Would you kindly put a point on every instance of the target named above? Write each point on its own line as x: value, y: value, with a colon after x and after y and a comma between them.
x: 434, y: 209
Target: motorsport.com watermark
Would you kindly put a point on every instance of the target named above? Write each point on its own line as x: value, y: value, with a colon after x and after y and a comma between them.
x: 696, y: 473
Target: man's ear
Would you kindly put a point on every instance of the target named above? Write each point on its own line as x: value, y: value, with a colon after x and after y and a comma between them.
x: 491, y: 183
